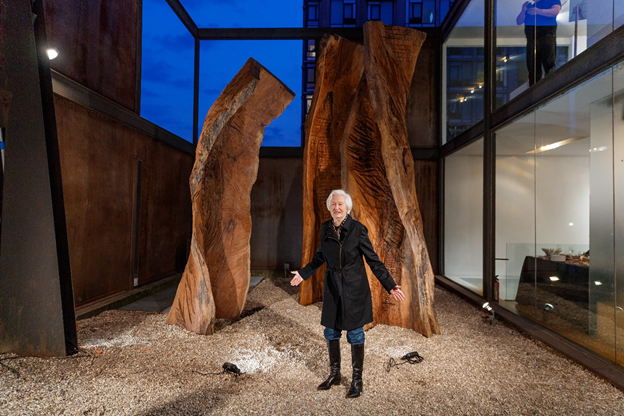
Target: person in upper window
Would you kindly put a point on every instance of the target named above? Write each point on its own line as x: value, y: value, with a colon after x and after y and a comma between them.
x: 540, y: 27
x: 347, y: 303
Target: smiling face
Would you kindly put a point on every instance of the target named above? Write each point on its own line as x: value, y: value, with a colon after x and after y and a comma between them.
x: 338, y: 208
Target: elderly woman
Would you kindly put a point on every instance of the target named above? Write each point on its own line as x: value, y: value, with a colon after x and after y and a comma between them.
x: 347, y: 304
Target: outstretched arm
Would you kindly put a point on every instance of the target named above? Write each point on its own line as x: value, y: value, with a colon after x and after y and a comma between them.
x: 300, y: 275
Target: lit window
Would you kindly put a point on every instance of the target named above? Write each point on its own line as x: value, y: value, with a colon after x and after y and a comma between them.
x: 311, y: 50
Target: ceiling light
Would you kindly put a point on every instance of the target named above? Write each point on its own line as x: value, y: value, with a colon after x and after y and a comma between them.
x: 553, y: 278
x: 52, y: 53
x: 571, y: 224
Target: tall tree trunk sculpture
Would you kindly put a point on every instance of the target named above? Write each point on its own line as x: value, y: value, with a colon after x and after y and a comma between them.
x: 377, y: 169
x: 390, y: 54
x: 216, y: 279
x: 339, y: 67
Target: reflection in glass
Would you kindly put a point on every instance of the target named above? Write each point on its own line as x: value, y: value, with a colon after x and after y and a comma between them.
x: 464, y: 72
x: 463, y: 217
x: 515, y: 208
x: 554, y: 201
x: 618, y: 187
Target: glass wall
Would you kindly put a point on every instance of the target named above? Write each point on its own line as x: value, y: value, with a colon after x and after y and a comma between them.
x: 463, y: 217
x: 463, y: 73
x: 530, y: 45
x: 559, y: 215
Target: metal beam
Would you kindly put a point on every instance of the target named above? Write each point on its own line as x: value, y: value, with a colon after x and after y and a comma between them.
x: 489, y: 154
x: 196, y: 94
x: 353, y: 33
x: 291, y: 33
x: 452, y: 17
x: 83, y: 96
x: 184, y: 17
x: 34, y: 262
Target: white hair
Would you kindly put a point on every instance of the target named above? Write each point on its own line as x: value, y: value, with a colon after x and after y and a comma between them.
x: 348, y: 199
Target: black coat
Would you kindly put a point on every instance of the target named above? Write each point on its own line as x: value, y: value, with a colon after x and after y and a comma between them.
x: 347, y: 300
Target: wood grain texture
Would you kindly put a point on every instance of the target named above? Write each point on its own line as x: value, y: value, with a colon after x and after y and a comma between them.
x: 377, y: 169
x: 390, y: 55
x: 339, y: 68
x: 216, y: 278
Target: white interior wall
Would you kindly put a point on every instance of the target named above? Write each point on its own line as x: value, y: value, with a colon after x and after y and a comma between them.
x: 561, y: 197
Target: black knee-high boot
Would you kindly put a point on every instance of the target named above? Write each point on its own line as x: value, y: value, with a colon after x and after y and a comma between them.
x: 334, y: 365
x: 357, y: 356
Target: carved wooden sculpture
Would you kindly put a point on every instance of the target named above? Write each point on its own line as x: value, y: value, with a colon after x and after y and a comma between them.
x: 378, y: 171
x: 339, y: 67
x: 216, y: 278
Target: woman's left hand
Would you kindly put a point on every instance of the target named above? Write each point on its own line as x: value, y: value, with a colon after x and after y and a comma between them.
x: 397, y: 293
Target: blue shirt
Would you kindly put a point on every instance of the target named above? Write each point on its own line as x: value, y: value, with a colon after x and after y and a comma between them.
x: 539, y: 20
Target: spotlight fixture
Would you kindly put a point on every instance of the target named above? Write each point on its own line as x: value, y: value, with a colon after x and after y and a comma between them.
x: 52, y: 53
x: 488, y: 312
x: 548, y: 307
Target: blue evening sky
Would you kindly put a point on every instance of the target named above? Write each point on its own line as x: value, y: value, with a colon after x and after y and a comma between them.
x: 168, y: 59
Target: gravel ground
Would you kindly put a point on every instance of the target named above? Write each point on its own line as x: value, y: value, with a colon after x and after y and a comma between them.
x: 135, y: 364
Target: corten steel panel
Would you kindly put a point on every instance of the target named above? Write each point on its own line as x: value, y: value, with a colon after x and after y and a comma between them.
x: 31, y: 310
x: 423, y: 104
x: 276, y: 214
x: 427, y: 192
x: 96, y: 159
x: 98, y: 44
x: 99, y: 161
x: 167, y: 203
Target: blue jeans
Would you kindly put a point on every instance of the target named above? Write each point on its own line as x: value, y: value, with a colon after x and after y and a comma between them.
x: 354, y: 336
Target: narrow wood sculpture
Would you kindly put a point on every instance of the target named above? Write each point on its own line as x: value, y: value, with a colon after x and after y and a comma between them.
x: 216, y: 279
x: 339, y: 67
x: 390, y: 54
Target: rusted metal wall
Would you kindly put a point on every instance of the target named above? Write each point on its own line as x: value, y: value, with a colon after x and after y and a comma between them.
x: 276, y: 214
x: 99, y: 45
x: 100, y: 167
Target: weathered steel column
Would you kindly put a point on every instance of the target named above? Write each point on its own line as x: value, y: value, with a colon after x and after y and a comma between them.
x: 36, y: 297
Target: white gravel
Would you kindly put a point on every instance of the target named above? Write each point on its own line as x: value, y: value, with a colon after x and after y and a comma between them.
x: 146, y: 367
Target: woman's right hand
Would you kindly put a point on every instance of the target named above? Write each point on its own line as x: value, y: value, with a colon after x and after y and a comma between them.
x: 297, y: 279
